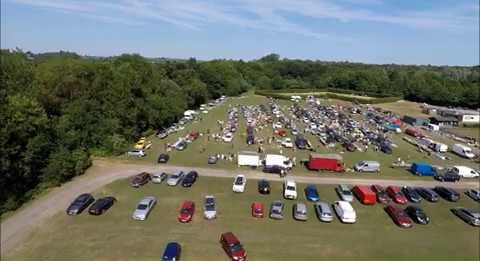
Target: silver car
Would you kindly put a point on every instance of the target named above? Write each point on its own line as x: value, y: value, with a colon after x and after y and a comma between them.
x: 300, y: 211
x: 470, y: 216
x: 143, y: 208
x: 159, y: 177
x: 324, y: 212
x: 344, y: 193
x: 209, y: 209
x: 474, y: 194
x: 276, y: 210
x: 175, y: 178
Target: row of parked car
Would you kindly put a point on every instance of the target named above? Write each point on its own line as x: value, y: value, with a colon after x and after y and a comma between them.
x: 179, y: 177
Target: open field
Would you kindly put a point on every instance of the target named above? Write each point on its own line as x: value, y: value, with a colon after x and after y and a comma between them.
x: 303, y: 94
x: 197, y: 152
x: 403, y: 107
x: 471, y: 132
x: 115, y: 236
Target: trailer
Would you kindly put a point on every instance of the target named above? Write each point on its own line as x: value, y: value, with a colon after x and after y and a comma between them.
x: 330, y: 162
x: 248, y: 158
x: 423, y: 169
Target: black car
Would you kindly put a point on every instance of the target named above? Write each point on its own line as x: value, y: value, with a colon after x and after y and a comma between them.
x: 79, y: 204
x: 447, y: 177
x: 448, y: 193
x: 264, y: 186
x: 250, y: 140
x: 411, y: 194
x: 189, y: 179
x: 163, y: 158
x: 417, y: 215
x: 428, y: 194
x: 101, y: 205
x: 274, y: 169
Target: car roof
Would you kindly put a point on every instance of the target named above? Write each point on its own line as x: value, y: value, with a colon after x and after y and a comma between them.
x: 290, y: 182
x: 300, y: 206
x: 171, y: 249
x: 146, y: 200
x: 230, y: 238
x: 344, y: 187
x: 187, y: 204
x: 345, y: 205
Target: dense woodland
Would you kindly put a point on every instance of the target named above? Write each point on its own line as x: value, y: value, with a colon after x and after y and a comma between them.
x: 58, y: 109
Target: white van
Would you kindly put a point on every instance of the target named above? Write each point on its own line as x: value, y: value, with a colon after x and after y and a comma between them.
x: 463, y: 151
x: 439, y: 147
x: 367, y: 166
x: 464, y: 172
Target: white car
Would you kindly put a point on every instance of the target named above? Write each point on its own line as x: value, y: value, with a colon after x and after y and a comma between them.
x: 290, y: 189
x: 287, y: 143
x: 277, y: 125
x: 345, y: 211
x: 143, y: 208
x: 136, y: 153
x: 465, y: 172
x: 209, y: 210
x: 175, y: 178
x: 239, y: 183
x: 227, y: 137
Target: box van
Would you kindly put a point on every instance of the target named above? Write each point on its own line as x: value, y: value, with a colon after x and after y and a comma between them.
x: 367, y: 166
x: 365, y: 194
x: 463, y: 151
x: 330, y: 162
x: 422, y: 169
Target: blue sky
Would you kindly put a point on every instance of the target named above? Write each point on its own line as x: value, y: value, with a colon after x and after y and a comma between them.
x: 372, y: 31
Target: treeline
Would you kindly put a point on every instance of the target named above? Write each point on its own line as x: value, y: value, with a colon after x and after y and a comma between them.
x: 57, y: 109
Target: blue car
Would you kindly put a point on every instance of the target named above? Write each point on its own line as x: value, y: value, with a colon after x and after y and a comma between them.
x: 172, y: 252
x: 311, y: 193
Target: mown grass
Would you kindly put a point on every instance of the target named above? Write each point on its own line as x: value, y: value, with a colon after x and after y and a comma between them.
x: 197, y: 152
x: 115, y: 236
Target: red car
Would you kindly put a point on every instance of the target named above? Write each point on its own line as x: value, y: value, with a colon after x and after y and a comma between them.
x: 257, y: 209
x: 397, y: 195
x: 232, y: 247
x: 399, y: 216
x: 382, y: 196
x: 186, y: 212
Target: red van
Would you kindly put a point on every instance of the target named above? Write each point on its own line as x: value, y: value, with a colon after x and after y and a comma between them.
x: 330, y: 162
x: 232, y: 247
x: 365, y: 194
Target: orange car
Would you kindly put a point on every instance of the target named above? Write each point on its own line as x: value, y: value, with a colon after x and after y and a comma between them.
x: 257, y: 209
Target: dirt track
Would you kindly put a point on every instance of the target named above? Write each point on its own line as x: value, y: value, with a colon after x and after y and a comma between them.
x: 17, y: 227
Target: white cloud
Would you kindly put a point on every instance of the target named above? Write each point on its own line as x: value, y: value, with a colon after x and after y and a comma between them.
x: 267, y: 15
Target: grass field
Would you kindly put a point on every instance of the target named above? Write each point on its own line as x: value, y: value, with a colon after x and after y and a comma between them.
x: 115, y: 236
x: 193, y: 155
x: 304, y: 94
x: 403, y: 108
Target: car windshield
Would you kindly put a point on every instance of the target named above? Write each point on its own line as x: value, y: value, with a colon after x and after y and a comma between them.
x: 175, y: 176
x: 290, y: 188
x: 236, y: 247
x: 142, y: 206
x: 185, y: 211
x: 239, y: 181
x: 258, y: 210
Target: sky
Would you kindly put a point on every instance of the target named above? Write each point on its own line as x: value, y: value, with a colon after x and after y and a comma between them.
x: 438, y: 32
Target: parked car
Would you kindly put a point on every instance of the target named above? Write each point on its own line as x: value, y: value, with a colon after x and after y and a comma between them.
x: 159, y: 177
x: 396, y: 194
x: 276, y: 210
x: 163, y: 158
x: 289, y: 189
x: 463, y: 151
x: 79, y: 204
x: 175, y: 178
x: 367, y: 166
x: 364, y: 194
x: 474, y: 194
x: 239, y: 183
x: 382, y: 196
x: 136, y: 153
x: 447, y: 177
x: 232, y: 246
x: 448, y: 193
x: 470, y: 216
x: 412, y: 194
x: 186, y: 211
x: 209, y: 207
x: 311, y: 193
x: 190, y: 179
x: 257, y: 209
x: 212, y: 159
x: 344, y: 193
x: 101, y: 205
x: 345, y: 211
x: 264, y: 186
x: 300, y: 211
x: 143, y: 208
x: 399, y: 216
x: 140, y: 179
x: 428, y: 194
x: 324, y: 212
x: 417, y: 215
x: 172, y: 252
